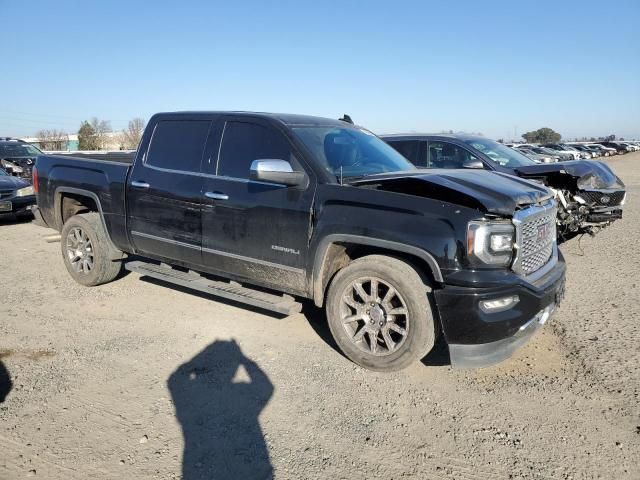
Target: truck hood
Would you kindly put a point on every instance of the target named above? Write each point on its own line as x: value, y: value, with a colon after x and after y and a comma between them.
x: 583, y: 174
x: 490, y: 192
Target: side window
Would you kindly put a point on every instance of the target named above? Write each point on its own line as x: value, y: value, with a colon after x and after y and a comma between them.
x: 408, y: 149
x: 448, y: 155
x: 178, y: 144
x: 242, y: 143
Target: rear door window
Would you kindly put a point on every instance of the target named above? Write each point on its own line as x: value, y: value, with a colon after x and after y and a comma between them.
x: 178, y: 145
x: 244, y: 142
x: 409, y: 149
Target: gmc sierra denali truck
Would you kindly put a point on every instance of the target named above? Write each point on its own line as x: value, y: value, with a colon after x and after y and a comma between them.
x: 589, y: 195
x: 267, y: 209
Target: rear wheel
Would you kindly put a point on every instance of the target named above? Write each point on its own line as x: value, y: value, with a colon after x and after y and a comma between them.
x: 379, y: 313
x: 86, y: 250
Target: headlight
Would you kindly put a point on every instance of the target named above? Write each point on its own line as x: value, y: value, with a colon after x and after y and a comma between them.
x: 25, y: 192
x: 490, y: 242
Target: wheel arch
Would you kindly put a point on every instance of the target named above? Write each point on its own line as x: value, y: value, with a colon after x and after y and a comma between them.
x: 69, y: 201
x: 335, y: 251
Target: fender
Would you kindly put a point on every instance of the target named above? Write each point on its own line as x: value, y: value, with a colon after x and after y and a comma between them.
x: 116, y: 254
x: 317, y: 280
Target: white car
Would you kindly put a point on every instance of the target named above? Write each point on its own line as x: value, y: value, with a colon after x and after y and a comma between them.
x: 609, y: 150
x: 586, y: 153
x: 631, y: 147
x: 575, y: 154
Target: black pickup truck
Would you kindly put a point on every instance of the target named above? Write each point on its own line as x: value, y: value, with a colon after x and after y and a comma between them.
x: 267, y: 209
x: 589, y: 195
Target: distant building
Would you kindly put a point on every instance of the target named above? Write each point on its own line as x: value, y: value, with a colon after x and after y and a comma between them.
x: 113, y: 142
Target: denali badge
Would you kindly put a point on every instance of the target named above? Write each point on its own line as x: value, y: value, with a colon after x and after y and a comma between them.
x: 285, y: 249
x: 605, y: 199
x: 543, y: 232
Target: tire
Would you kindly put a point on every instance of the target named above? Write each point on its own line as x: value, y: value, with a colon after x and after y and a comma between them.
x: 84, y: 238
x: 362, y: 336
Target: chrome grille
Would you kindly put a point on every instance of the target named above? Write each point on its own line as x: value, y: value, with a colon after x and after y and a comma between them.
x: 602, y: 198
x: 6, y: 194
x: 535, y: 238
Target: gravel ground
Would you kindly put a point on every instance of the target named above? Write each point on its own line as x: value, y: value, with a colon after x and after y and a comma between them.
x: 136, y: 380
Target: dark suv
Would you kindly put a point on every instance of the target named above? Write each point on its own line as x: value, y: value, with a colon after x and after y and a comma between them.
x: 590, y: 196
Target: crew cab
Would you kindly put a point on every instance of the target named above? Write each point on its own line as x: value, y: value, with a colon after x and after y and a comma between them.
x: 270, y: 209
x: 589, y: 195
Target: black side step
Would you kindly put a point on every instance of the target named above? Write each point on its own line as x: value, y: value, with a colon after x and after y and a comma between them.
x: 283, y: 304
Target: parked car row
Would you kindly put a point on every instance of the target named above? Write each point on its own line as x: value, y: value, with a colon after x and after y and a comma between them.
x: 555, y: 152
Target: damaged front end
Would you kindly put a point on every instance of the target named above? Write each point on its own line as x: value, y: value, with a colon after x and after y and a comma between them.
x: 589, y: 195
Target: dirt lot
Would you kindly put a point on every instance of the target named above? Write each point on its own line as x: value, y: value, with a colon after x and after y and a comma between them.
x: 136, y: 380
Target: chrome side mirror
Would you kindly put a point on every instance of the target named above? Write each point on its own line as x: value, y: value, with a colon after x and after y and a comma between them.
x: 475, y: 163
x: 276, y: 171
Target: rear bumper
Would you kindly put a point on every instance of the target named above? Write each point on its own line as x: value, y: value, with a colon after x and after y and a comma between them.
x: 37, y: 217
x: 479, y: 339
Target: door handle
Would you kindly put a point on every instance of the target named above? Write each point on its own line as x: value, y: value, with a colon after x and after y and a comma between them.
x: 217, y: 195
x: 138, y: 184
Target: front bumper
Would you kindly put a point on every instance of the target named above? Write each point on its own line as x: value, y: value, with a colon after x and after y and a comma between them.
x: 19, y: 205
x: 478, y: 339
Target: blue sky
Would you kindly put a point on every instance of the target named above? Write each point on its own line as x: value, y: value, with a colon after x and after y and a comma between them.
x: 490, y: 67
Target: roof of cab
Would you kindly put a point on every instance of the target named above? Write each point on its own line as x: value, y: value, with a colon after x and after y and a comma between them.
x: 289, y: 119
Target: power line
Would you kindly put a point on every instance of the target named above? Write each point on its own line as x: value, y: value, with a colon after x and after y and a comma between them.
x: 46, y: 115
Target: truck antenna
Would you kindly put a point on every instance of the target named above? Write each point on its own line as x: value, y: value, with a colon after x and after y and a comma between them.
x: 346, y: 118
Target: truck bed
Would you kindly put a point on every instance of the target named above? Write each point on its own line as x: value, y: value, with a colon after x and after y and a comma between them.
x: 125, y: 156
x: 101, y: 178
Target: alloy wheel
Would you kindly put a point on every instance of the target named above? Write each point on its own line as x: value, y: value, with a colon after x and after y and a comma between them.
x: 375, y: 316
x: 80, y: 251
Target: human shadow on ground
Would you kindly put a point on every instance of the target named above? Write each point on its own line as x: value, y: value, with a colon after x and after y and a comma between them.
x: 218, y: 396
x: 5, y: 382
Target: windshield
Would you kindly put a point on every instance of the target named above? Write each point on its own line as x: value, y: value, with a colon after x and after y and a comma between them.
x: 18, y: 150
x: 499, y: 154
x: 3, y: 173
x: 351, y: 152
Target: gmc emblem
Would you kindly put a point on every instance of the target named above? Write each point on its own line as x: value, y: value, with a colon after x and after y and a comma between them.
x: 543, y: 232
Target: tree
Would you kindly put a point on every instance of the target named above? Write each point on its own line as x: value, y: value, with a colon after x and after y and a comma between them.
x: 87, y: 139
x: 93, y: 134
x: 52, y: 139
x: 102, y: 128
x: 542, y: 135
x: 130, y: 137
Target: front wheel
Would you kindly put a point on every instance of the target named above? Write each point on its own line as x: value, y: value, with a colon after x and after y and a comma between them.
x: 86, y: 250
x: 379, y: 313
